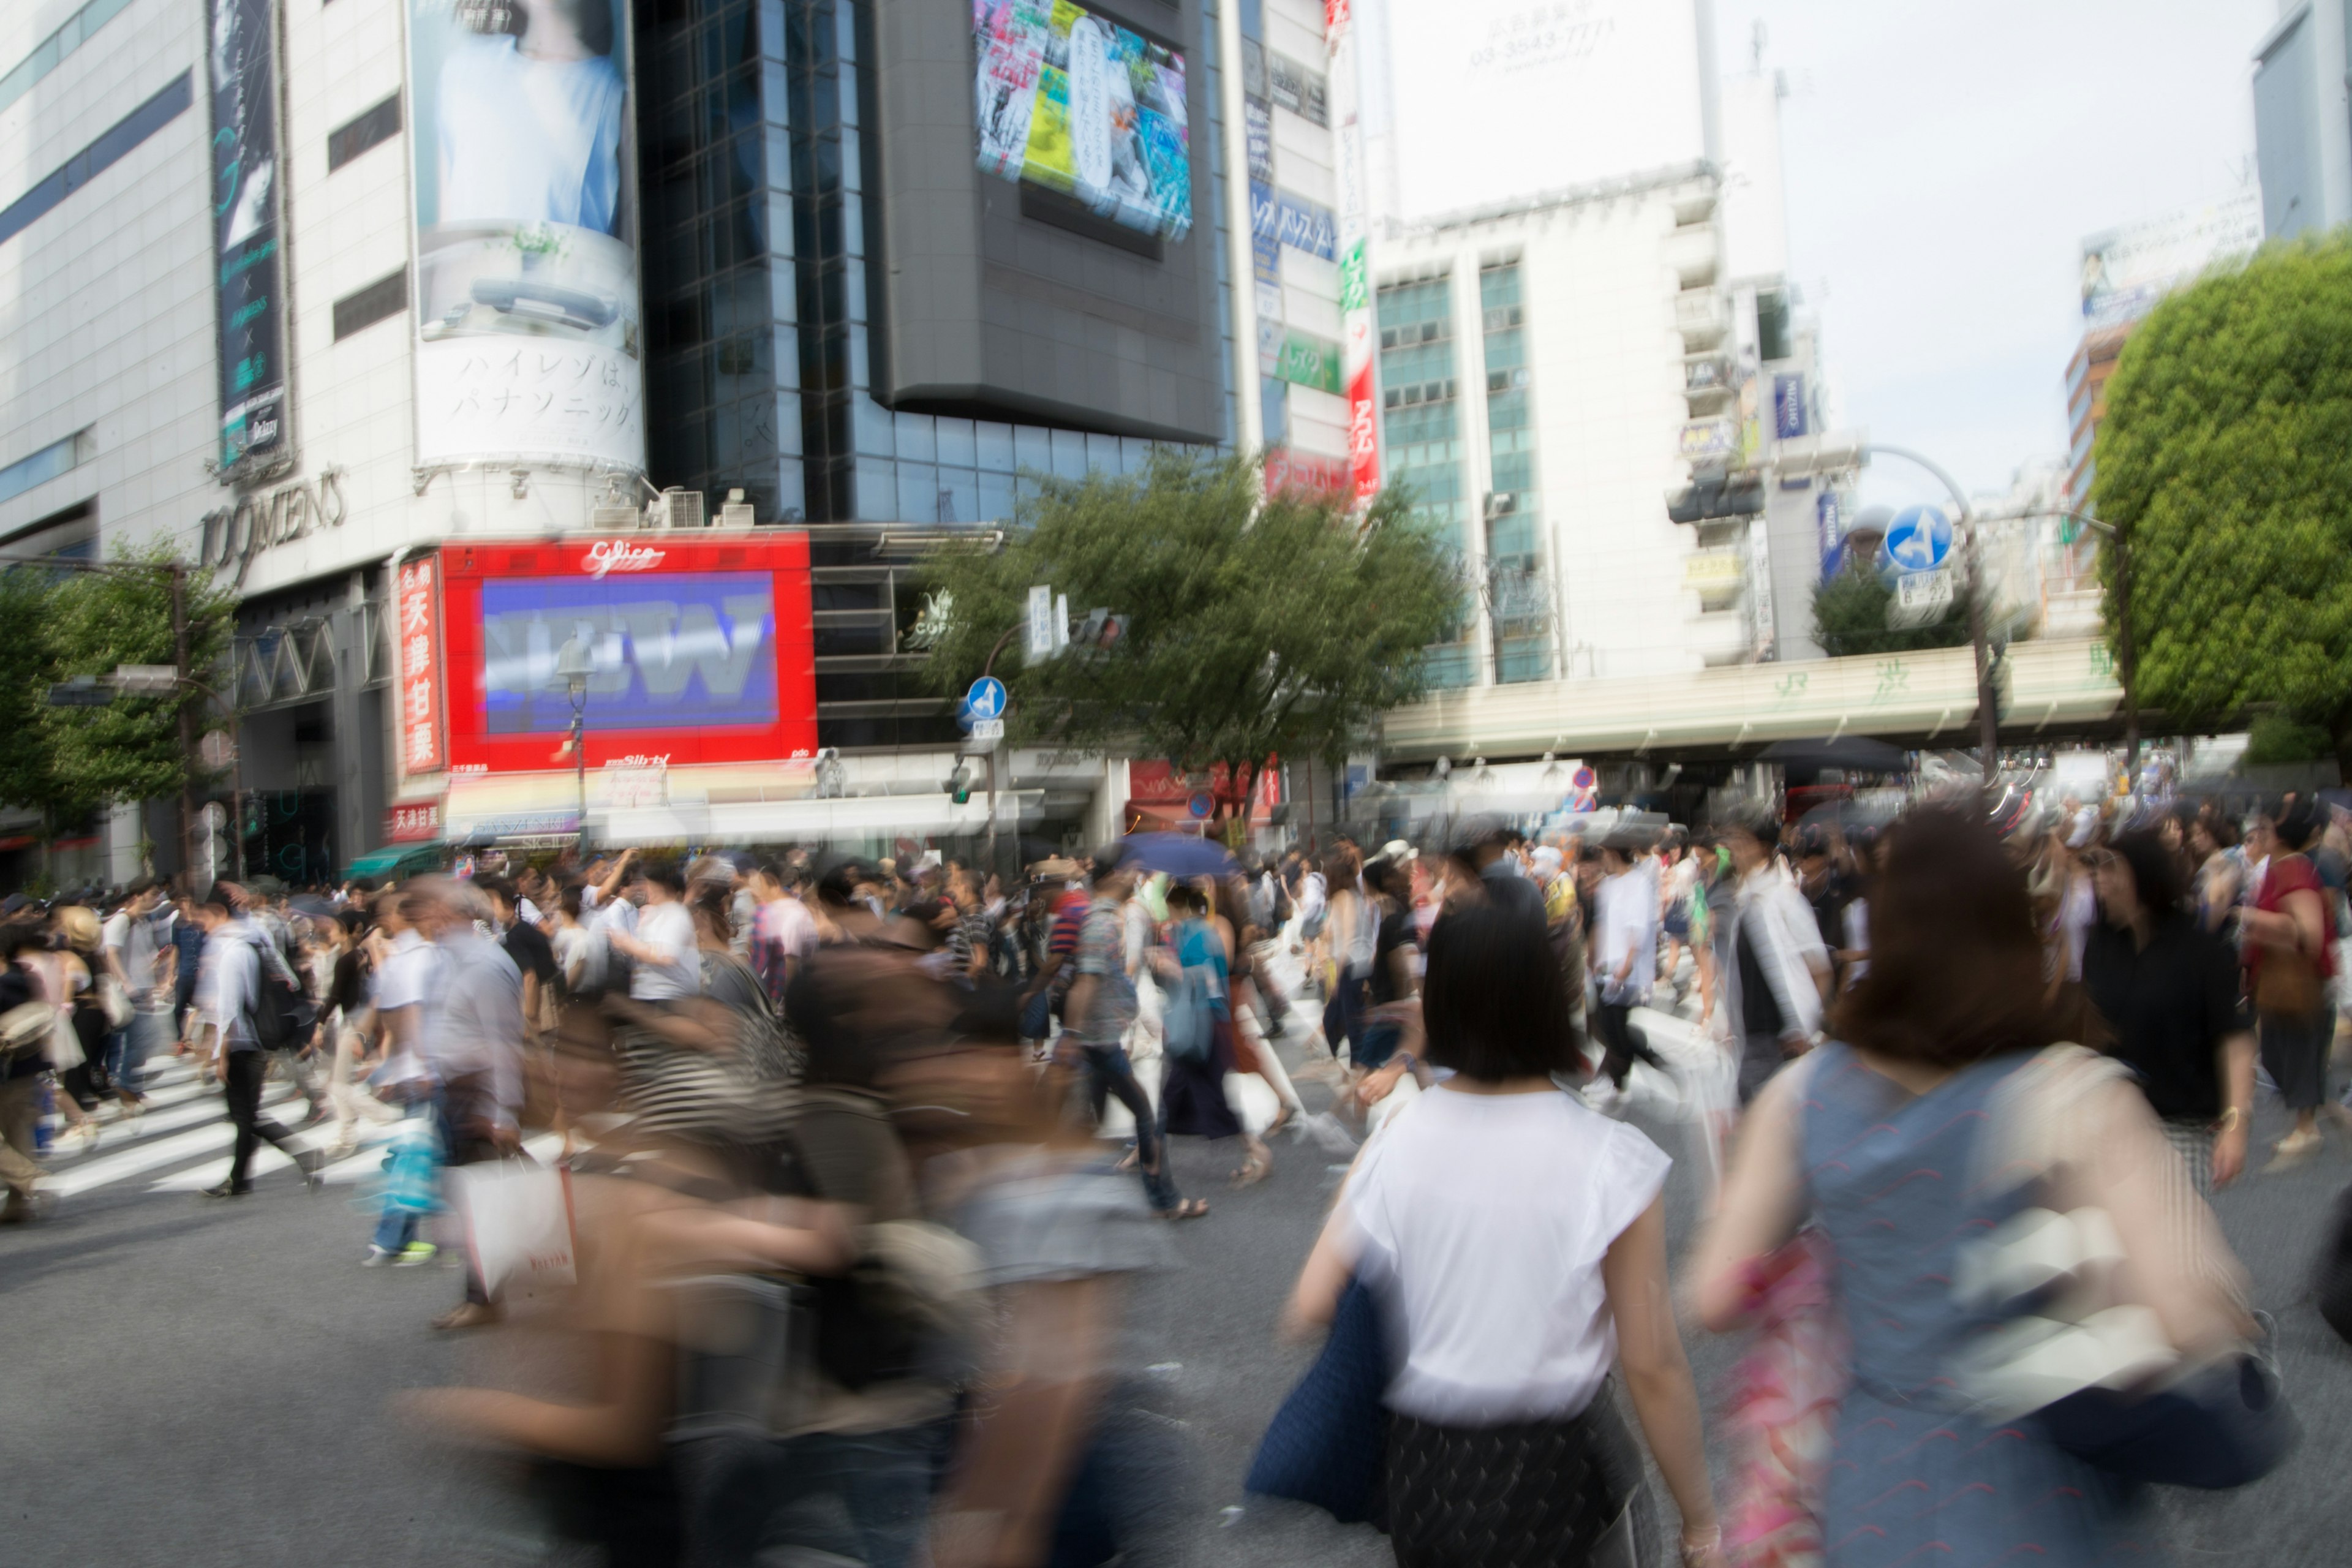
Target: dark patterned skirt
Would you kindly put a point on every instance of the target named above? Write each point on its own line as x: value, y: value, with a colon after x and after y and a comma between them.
x: 1535, y: 1494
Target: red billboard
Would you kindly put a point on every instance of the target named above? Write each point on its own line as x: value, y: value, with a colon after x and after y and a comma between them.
x: 701, y: 649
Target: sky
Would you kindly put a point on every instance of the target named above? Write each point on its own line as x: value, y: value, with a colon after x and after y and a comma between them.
x: 1943, y: 166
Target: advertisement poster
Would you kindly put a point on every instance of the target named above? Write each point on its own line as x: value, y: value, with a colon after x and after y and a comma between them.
x: 1357, y: 361
x: 2126, y: 270
x: 527, y: 320
x: 419, y: 653
x: 1071, y: 103
x: 247, y: 256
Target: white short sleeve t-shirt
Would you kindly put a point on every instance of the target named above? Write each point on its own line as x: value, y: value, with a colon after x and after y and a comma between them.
x: 1481, y: 1221
x: 670, y: 927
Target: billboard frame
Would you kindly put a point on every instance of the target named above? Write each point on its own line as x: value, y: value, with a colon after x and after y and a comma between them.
x: 781, y: 553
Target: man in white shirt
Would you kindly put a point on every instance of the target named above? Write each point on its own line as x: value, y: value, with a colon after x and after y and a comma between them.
x: 1624, y: 956
x: 137, y: 962
x: 667, y: 968
x: 228, y: 994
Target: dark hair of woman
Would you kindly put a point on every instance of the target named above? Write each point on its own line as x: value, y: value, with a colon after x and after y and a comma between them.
x: 667, y: 874
x: 1955, y: 964
x: 2298, y: 825
x: 710, y: 907
x: 1382, y: 875
x: 1186, y: 897
x: 2156, y: 872
x: 355, y: 923
x: 1340, y: 864
x: 570, y: 901
x: 1493, y: 1000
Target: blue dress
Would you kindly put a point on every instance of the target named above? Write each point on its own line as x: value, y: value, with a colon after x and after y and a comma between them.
x: 1914, y: 1480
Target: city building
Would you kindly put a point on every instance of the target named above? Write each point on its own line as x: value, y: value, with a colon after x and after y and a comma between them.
x: 2302, y: 119
x: 294, y: 289
x: 2126, y: 271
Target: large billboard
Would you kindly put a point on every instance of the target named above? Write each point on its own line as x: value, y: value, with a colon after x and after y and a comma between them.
x: 248, y: 260
x: 702, y: 651
x: 2126, y: 270
x: 529, y: 345
x: 1078, y: 104
x: 1497, y: 100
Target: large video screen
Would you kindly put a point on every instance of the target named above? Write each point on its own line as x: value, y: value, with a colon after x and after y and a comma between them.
x: 1071, y: 103
x: 675, y: 652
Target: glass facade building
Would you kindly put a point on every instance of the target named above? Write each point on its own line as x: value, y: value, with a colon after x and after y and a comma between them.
x: 1420, y: 431
x: 757, y: 289
x: 759, y: 204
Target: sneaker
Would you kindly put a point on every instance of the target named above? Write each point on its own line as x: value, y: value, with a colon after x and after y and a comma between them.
x: 415, y: 1253
x: 225, y: 1190
x: 377, y: 1256
x: 469, y: 1315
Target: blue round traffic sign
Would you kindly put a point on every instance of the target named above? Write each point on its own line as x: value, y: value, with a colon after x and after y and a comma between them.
x: 1201, y: 804
x: 985, y: 700
x: 1918, y: 539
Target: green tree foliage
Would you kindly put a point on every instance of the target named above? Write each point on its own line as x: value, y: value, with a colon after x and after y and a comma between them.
x: 2225, y: 466
x: 65, y: 762
x: 1850, y: 618
x: 1254, y: 630
x: 130, y: 750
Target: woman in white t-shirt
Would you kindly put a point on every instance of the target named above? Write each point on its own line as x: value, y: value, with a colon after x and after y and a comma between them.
x: 1516, y: 1242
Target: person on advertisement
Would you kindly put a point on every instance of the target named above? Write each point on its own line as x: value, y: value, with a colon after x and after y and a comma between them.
x: 530, y: 116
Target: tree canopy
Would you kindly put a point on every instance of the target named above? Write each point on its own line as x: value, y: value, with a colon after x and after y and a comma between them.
x: 1256, y: 627
x: 1850, y: 618
x: 66, y: 762
x: 2224, y: 463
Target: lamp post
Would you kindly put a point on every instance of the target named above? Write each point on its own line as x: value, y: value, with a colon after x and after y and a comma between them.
x: 573, y: 665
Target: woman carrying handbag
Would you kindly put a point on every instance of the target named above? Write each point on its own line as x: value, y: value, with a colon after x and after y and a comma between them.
x: 2290, y: 946
x: 1985, y: 1192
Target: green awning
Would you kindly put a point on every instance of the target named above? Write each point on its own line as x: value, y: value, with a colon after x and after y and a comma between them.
x: 388, y: 862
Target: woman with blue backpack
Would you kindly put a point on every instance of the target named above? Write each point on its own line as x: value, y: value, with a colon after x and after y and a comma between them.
x: 1197, y: 1029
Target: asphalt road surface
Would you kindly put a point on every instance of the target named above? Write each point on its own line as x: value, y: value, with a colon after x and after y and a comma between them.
x: 194, y: 1383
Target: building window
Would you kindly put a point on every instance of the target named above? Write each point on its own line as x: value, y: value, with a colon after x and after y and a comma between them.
x: 369, y: 129
x: 56, y: 459
x: 51, y: 51
x: 379, y: 302
x: 86, y: 166
x: 1772, y: 324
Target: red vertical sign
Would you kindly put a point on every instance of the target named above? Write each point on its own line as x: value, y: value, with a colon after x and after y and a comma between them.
x: 417, y: 652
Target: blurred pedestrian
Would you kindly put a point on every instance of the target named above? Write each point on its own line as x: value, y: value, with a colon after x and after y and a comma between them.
x: 1515, y: 1241
x: 2290, y: 952
x: 2168, y: 991
x: 139, y: 963
x: 346, y: 1026
x: 1624, y: 959
x: 28, y: 1024
x: 240, y: 958
x: 1100, y: 1012
x: 1880, y: 1141
x: 1778, y: 971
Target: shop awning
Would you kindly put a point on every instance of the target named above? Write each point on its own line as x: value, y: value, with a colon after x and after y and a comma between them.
x: 390, y: 861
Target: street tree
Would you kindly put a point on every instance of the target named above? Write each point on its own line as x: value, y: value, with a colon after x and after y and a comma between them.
x: 1851, y: 617
x: 2225, y: 465
x: 31, y: 776
x: 130, y: 749
x: 1257, y: 628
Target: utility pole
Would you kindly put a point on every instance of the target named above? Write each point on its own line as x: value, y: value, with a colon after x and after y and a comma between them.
x: 986, y: 670
x: 188, y: 720
x: 1988, y: 719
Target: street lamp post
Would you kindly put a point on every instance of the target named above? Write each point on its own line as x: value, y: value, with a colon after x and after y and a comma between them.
x: 1987, y: 720
x: 573, y: 665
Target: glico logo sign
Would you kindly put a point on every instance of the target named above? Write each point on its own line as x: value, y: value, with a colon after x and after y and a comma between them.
x: 607, y: 555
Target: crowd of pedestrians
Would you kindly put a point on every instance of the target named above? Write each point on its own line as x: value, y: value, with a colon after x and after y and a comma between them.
x: 852, y: 1156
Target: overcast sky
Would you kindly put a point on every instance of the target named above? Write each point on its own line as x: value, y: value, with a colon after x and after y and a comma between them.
x: 1944, y: 163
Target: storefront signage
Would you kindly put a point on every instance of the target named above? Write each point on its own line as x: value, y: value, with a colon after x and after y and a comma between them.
x: 618, y: 555
x: 234, y: 535
x: 1309, y: 360
x: 1305, y: 226
x: 418, y: 655
x: 416, y: 824
x: 1296, y: 87
x: 1288, y: 470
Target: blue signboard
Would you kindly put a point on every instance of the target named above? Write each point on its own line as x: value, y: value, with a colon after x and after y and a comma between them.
x: 1828, y: 524
x: 1788, y: 420
x: 1304, y: 225
x: 986, y: 698
x: 1919, y: 539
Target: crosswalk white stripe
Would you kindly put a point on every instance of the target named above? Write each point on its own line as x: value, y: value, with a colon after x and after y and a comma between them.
x: 152, y: 1155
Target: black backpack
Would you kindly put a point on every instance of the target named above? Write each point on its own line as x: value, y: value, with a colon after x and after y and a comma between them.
x: 2334, y: 1284
x: 278, y: 1013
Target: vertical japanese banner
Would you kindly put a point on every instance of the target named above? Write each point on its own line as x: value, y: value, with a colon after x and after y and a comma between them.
x: 416, y: 649
x: 247, y: 262
x: 523, y: 177
x: 1358, y: 363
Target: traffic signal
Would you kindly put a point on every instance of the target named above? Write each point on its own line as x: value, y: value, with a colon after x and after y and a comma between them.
x: 1717, y: 494
x: 1099, y: 633
x: 960, y: 784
